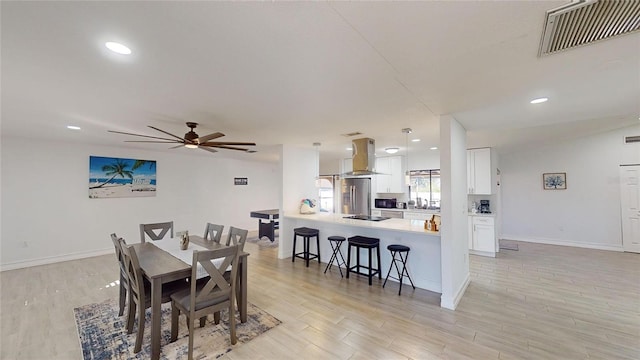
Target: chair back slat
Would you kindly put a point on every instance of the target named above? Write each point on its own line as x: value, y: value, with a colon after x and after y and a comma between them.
x: 217, y: 287
x: 134, y: 272
x: 213, y: 232
x: 116, y: 244
x: 237, y: 237
x: 156, y: 231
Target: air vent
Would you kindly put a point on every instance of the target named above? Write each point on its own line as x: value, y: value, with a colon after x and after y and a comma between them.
x: 585, y: 21
x: 352, y: 134
x: 632, y: 139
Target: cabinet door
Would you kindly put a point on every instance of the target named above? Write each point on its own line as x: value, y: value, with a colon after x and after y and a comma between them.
x: 482, y: 171
x: 470, y: 225
x: 484, y: 237
x: 376, y: 212
x: 396, y: 181
x: 470, y: 172
x: 384, y: 178
x: 347, y: 165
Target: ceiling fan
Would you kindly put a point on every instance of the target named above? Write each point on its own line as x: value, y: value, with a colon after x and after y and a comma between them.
x: 192, y: 140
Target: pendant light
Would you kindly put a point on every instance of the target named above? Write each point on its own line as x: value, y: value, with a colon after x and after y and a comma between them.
x: 317, y: 163
x: 407, y: 175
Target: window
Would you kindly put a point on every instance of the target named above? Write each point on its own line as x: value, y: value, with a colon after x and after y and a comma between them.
x: 425, y: 188
x: 325, y: 192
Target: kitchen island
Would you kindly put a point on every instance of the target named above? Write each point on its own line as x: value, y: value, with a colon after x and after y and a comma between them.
x: 424, y: 259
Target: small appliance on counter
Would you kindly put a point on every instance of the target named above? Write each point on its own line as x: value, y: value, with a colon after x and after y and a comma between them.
x: 401, y: 205
x: 484, y: 207
x: 386, y: 203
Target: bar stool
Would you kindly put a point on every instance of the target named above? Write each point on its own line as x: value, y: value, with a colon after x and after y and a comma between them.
x: 306, y: 233
x: 363, y: 242
x: 336, y: 242
x: 399, y: 250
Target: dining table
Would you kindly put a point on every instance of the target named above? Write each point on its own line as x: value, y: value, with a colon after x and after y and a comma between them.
x: 159, y: 266
x: 267, y: 228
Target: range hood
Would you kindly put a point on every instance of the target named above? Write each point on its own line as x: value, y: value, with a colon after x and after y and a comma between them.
x: 364, y: 157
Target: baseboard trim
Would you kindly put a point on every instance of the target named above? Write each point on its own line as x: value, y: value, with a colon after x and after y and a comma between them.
x: 54, y: 259
x: 452, y: 303
x: 564, y: 243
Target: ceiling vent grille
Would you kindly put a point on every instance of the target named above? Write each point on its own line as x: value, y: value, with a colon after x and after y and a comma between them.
x: 582, y: 22
x: 632, y: 139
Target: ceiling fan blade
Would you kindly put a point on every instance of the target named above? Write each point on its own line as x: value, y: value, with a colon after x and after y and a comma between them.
x: 216, y: 143
x: 168, y: 133
x: 203, y: 139
x: 208, y: 149
x: 147, y: 136
x: 229, y: 147
x: 151, y: 141
x: 177, y: 146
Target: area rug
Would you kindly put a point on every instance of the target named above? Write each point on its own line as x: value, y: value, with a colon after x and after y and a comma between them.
x: 103, y: 333
x: 504, y: 245
x: 264, y: 242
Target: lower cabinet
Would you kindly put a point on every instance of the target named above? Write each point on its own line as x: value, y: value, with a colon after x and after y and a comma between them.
x: 482, y: 236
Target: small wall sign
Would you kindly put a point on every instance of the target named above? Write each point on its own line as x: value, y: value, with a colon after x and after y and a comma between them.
x: 240, y: 181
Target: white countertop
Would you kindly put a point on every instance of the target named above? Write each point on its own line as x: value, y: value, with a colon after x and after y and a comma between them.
x: 412, y: 226
x: 428, y: 211
x: 484, y: 215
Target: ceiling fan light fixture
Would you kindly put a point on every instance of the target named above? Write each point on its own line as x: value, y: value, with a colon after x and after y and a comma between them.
x: 539, y: 100
x: 191, y: 146
x: 73, y: 127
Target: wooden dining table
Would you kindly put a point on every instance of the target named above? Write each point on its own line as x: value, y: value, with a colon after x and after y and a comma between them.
x: 159, y: 267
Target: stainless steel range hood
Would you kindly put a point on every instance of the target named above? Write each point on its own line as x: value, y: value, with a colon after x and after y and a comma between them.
x: 364, y: 157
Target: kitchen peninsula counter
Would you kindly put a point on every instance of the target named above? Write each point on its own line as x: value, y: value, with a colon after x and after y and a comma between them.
x: 424, y: 259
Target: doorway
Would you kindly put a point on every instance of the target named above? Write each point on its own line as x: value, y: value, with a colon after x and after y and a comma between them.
x: 630, y: 207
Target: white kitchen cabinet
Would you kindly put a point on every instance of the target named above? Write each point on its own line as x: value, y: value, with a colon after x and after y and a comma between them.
x: 482, y: 236
x: 375, y: 212
x: 391, y: 177
x: 347, y: 165
x: 480, y: 178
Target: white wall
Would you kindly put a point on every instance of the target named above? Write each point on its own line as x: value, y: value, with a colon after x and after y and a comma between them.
x: 299, y: 167
x: 454, y: 234
x: 47, y: 215
x: 587, y: 214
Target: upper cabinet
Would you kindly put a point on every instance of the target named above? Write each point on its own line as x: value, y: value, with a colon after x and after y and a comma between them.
x: 480, y: 172
x: 347, y: 165
x: 391, y: 177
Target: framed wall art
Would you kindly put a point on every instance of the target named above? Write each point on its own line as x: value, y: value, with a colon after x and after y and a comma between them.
x: 117, y: 177
x: 554, y: 181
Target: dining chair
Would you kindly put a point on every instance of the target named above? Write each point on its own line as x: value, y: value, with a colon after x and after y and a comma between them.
x: 151, y: 230
x: 213, y: 232
x: 216, y: 294
x: 124, y: 279
x: 237, y: 237
x: 140, y: 292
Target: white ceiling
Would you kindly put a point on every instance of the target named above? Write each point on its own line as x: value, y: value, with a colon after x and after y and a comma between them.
x: 304, y: 72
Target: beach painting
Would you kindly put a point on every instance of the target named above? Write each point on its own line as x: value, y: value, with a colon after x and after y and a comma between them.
x: 116, y: 177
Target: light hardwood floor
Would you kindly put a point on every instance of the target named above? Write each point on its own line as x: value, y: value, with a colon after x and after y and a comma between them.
x: 542, y: 302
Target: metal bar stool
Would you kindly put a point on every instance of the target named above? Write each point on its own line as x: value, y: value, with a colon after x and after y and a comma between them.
x: 399, y: 250
x: 306, y: 234
x: 363, y: 242
x: 336, y: 242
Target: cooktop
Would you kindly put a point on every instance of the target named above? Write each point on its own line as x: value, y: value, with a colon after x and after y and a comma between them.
x: 367, y: 217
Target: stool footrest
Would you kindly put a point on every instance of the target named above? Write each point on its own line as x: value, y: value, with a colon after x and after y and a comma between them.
x: 356, y: 270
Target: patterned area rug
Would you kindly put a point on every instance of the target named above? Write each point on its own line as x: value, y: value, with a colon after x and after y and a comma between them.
x: 103, y: 333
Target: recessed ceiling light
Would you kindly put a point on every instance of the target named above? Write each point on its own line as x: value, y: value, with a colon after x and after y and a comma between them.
x: 415, y: 140
x: 349, y: 149
x: 391, y: 150
x: 73, y: 127
x: 118, y: 48
x: 539, y: 100
x: 433, y: 148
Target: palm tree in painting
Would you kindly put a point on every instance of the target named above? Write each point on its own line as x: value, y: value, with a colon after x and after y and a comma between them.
x: 139, y: 163
x: 113, y: 170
